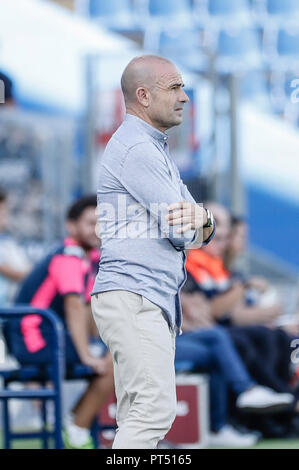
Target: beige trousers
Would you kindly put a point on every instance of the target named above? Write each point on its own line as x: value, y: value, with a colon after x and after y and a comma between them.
x: 143, y: 349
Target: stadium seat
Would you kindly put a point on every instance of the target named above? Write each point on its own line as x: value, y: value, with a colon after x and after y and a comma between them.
x: 183, y: 47
x: 117, y: 15
x: 237, y: 50
x: 168, y: 7
x: 283, y: 8
x: 276, y: 13
x: 288, y: 43
x: 219, y: 13
x: 285, y: 54
x: 54, y: 372
x: 175, y: 12
x: 229, y: 7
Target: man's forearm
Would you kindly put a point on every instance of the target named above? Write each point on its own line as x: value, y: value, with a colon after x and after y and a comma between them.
x: 225, y: 303
x: 12, y: 274
x: 77, y: 323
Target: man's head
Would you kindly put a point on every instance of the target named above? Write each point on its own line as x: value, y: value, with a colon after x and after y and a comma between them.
x: 3, y: 211
x: 81, y: 222
x: 218, y: 246
x: 153, y: 90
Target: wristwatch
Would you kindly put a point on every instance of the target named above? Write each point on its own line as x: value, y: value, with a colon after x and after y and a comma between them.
x: 210, y: 219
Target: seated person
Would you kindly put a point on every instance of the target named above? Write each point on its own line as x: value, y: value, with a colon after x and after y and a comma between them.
x: 260, y: 294
x: 227, y: 292
x: 259, y: 291
x: 227, y: 296
x: 264, y: 350
x: 211, y: 350
x: 14, y: 265
x: 62, y: 281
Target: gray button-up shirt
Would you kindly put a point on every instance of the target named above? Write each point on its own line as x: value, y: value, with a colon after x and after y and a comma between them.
x: 141, y: 253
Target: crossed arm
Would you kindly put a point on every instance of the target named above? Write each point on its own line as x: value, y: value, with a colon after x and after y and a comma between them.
x: 146, y: 176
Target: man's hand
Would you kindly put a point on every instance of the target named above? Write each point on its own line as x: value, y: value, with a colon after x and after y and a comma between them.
x: 258, y: 283
x: 271, y: 313
x: 189, y: 214
x: 196, y: 311
x: 98, y: 364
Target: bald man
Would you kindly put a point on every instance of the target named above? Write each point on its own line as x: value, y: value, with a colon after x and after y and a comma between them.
x: 147, y: 219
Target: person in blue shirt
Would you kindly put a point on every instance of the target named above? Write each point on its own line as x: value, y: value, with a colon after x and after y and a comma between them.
x: 147, y: 219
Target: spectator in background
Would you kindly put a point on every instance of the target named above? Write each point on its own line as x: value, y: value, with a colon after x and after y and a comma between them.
x: 14, y: 265
x: 62, y: 281
x: 210, y: 350
x: 259, y: 291
x: 7, y: 83
x: 264, y: 350
x: 226, y: 292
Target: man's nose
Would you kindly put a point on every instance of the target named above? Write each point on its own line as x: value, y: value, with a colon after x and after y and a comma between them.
x: 184, y: 97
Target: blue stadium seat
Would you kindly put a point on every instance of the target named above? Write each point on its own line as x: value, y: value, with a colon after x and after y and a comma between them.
x: 168, y: 7
x: 288, y: 43
x: 114, y: 14
x: 220, y: 13
x: 236, y: 43
x: 287, y: 51
x: 108, y: 8
x: 276, y: 13
x: 282, y: 7
x: 238, y: 50
x: 170, y: 12
x: 227, y: 7
x: 183, y: 47
x: 54, y: 372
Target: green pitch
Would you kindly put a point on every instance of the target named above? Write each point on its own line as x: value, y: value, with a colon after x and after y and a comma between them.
x: 265, y: 444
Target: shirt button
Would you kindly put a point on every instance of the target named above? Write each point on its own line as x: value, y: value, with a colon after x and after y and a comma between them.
x: 165, y: 138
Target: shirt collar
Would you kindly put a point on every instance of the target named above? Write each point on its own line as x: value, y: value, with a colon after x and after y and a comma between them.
x: 69, y: 241
x: 150, y: 130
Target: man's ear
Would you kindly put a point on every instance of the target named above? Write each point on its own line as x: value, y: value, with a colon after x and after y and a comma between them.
x: 71, y: 228
x: 142, y: 95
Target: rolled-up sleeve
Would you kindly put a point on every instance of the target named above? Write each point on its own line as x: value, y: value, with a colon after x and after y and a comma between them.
x: 146, y: 176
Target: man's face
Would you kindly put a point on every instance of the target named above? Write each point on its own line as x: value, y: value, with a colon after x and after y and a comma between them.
x: 238, y: 238
x: 83, y: 229
x: 167, y: 97
x: 219, y: 244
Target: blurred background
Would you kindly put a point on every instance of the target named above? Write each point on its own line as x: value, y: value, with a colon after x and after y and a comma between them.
x: 239, y: 142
